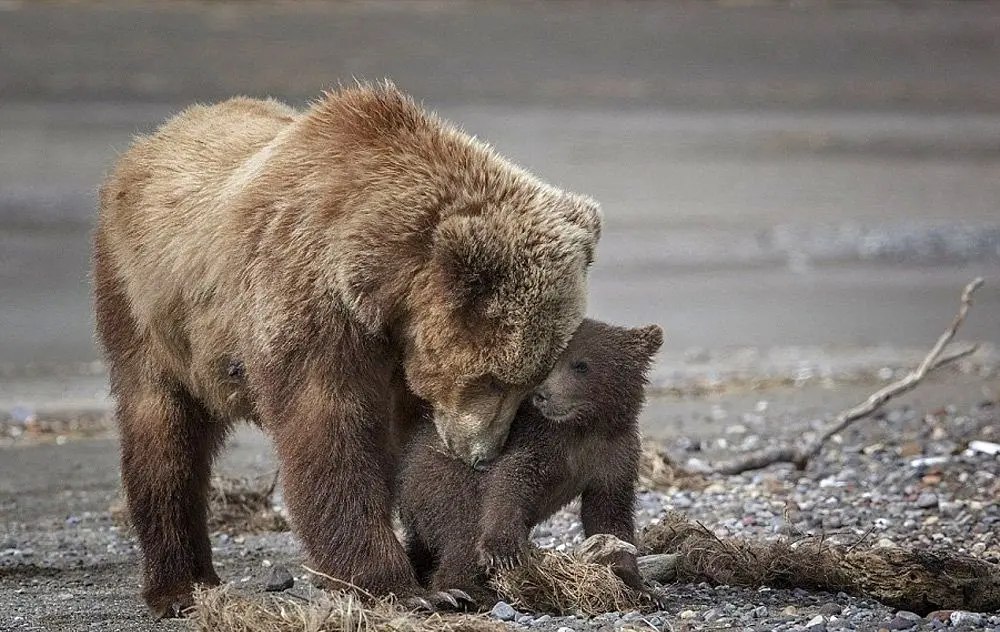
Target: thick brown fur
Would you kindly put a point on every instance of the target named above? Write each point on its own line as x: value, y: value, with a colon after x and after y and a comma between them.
x: 578, y: 436
x: 350, y: 261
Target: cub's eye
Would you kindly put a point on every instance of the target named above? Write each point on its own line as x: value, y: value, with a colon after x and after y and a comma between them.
x: 580, y: 367
x: 493, y: 385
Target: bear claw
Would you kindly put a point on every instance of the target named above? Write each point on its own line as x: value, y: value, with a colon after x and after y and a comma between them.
x: 503, y: 552
x: 462, y: 596
x: 451, y: 599
x: 175, y: 607
x: 418, y: 604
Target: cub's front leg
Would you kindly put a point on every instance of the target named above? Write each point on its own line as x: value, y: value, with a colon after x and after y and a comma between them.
x: 610, y: 508
x: 517, y: 488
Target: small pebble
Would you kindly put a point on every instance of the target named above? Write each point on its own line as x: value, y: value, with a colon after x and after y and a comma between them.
x: 899, y: 623
x: 279, y: 579
x: 503, y: 611
x: 909, y: 616
x: 830, y: 609
x: 926, y: 500
x: 816, y: 624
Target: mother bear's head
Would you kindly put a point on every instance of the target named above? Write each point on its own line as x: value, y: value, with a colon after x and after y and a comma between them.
x: 502, y: 292
x: 477, y: 266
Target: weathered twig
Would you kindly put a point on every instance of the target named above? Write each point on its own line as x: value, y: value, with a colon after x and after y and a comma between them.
x: 801, y: 454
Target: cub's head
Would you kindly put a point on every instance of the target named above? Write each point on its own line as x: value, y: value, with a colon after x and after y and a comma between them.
x: 503, y: 291
x: 601, y: 374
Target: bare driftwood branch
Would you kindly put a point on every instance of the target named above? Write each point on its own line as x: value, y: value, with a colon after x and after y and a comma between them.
x: 800, y: 455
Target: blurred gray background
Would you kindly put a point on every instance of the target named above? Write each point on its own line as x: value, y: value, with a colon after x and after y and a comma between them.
x: 773, y: 175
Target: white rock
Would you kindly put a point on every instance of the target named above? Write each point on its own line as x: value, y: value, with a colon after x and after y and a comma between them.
x: 986, y: 447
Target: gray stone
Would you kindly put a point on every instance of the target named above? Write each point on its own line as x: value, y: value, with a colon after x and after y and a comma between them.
x: 830, y: 609
x: 760, y: 612
x: 927, y: 500
x: 712, y: 614
x: 816, y: 624
x: 961, y: 617
x: 909, y: 616
x: 279, y: 579
x: 503, y: 611
x: 565, y: 629
x: 899, y: 623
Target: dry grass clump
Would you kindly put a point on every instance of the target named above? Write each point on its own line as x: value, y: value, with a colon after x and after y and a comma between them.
x: 658, y: 472
x: 559, y: 583
x: 223, y: 610
x: 235, y: 505
x: 240, y: 506
x: 919, y: 581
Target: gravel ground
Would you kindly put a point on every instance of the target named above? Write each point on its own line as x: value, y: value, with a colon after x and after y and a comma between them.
x: 906, y: 478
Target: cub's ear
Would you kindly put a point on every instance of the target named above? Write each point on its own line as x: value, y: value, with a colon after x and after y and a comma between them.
x: 467, y: 253
x: 648, y: 339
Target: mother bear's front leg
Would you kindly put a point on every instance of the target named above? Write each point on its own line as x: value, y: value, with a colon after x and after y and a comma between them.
x: 333, y: 438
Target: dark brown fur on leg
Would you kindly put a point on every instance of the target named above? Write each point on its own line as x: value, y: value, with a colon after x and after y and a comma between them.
x: 421, y: 559
x: 337, y: 466
x: 167, y: 449
x: 168, y: 442
x: 609, y: 508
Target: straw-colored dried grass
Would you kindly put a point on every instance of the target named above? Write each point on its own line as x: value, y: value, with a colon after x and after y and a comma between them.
x: 559, y: 583
x: 224, y: 610
x: 920, y: 581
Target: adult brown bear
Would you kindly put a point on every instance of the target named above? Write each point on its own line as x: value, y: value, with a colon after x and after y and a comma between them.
x: 350, y: 256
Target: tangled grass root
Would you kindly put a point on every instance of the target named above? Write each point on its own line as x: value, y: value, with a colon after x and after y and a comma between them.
x: 560, y: 584
x: 224, y: 610
x: 240, y: 506
x: 919, y: 581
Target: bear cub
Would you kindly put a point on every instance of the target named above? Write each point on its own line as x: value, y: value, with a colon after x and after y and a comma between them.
x: 577, y: 435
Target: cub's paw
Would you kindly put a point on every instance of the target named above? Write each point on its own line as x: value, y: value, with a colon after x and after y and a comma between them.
x: 503, y: 551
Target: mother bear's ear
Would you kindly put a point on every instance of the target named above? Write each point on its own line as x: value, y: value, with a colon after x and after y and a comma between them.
x: 469, y: 253
x: 585, y: 213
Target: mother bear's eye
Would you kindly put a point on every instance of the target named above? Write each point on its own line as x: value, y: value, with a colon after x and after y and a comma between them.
x: 580, y: 367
